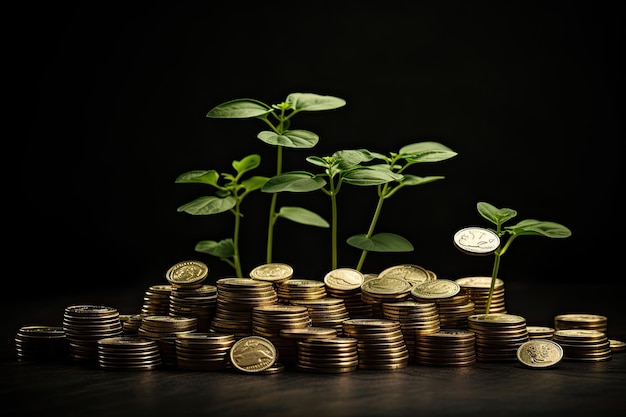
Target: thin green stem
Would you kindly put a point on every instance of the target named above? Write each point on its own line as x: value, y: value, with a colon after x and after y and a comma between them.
x: 333, y: 205
x: 236, y: 257
x: 494, y: 276
x: 272, y: 212
x: 370, y: 231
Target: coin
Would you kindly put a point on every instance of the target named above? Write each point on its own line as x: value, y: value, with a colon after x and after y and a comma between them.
x: 187, y: 273
x: 539, y: 354
x: 273, y: 272
x: 476, y: 241
x: 253, y: 354
x: 435, y: 289
x: 344, y: 279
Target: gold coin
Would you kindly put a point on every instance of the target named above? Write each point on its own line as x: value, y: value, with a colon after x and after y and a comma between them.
x: 273, y: 272
x: 187, y: 273
x: 344, y: 279
x: 253, y: 354
x: 539, y: 354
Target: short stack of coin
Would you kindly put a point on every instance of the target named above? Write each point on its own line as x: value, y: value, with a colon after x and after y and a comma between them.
x: 586, y: 345
x: 453, y: 307
x: 300, y: 289
x: 41, y: 343
x: 380, y: 343
x: 85, y: 324
x: 204, y: 351
x: 326, y: 312
x: 540, y: 332
x: 447, y: 347
x: 130, y: 324
x: 351, y: 297
x: 194, y: 302
x: 236, y: 297
x: 128, y: 353
x: 478, y: 287
x: 289, y: 345
x: 164, y: 330
x: 156, y: 300
x: 377, y: 291
x: 498, y: 336
x: 268, y: 321
x: 328, y: 355
x: 416, y: 319
x: 581, y: 321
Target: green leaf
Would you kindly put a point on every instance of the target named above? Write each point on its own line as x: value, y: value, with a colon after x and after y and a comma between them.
x: 318, y: 160
x: 348, y: 158
x: 222, y: 249
x: 494, y: 214
x: 254, y: 183
x: 302, y: 215
x: 290, y: 139
x: 203, y: 177
x: 208, y: 205
x: 365, y: 176
x: 295, y: 181
x: 243, y: 108
x: 543, y: 228
x: 381, y: 242
x: 313, y: 102
x: 426, y: 152
x: 247, y: 163
x: 410, y: 180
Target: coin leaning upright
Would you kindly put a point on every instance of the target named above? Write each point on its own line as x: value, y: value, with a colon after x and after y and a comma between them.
x: 539, y: 354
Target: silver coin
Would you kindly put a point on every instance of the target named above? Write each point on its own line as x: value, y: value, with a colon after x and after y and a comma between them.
x: 476, y: 241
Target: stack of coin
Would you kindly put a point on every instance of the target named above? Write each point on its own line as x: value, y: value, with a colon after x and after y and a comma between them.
x: 453, y: 307
x: 328, y: 355
x: 416, y: 319
x: 581, y: 321
x: 253, y: 354
x: 291, y: 337
x: 272, y: 272
x: 447, y: 347
x: 156, y: 300
x: 414, y: 274
x: 85, y: 324
x: 326, y: 312
x: 351, y: 297
x: 540, y: 332
x: 235, y: 299
x: 498, y: 336
x: 540, y: 354
x: 164, y: 330
x: 585, y: 345
x: 194, y: 302
x: 300, y: 289
x: 130, y: 324
x: 128, y: 353
x: 204, y: 351
x: 268, y: 321
x: 380, y: 343
x: 187, y: 274
x: 41, y: 343
x: 478, y: 287
x: 377, y: 291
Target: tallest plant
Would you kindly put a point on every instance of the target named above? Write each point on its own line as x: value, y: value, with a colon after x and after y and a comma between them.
x: 278, y: 118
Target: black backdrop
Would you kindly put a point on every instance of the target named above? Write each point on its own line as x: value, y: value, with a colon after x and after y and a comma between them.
x: 110, y: 103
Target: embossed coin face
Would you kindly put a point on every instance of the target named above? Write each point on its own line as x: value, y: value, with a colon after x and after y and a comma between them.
x: 274, y: 272
x: 436, y: 289
x: 386, y: 286
x: 539, y: 354
x: 187, y: 273
x: 476, y: 241
x: 414, y: 274
x: 253, y: 354
x: 344, y: 279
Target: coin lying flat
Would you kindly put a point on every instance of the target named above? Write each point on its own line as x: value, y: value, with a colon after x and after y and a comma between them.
x: 273, y: 272
x: 539, y: 354
x: 476, y: 241
x: 187, y: 273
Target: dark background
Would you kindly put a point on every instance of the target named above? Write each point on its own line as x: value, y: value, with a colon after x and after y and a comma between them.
x: 109, y: 106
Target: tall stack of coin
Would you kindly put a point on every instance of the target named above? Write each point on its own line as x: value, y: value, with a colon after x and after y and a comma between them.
x: 380, y: 343
x: 377, y: 291
x: 41, y: 343
x: 156, y: 300
x: 416, y: 319
x: 453, y: 308
x: 194, y: 302
x: 326, y: 312
x: 291, y: 337
x: 236, y: 297
x: 268, y: 321
x: 328, y: 355
x: 85, y: 324
x: 447, y: 347
x: 300, y: 289
x: 498, y: 336
x: 164, y: 330
x: 581, y: 321
x: 204, y: 351
x: 128, y: 353
x: 478, y: 287
x: 586, y: 345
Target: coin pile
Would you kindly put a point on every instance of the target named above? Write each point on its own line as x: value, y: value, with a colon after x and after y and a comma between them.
x: 380, y: 343
x: 416, y: 319
x: 447, y: 347
x: 204, y: 351
x: 194, y: 302
x: 498, y: 336
x: 269, y: 320
x: 328, y: 355
x: 291, y: 337
x: 453, y: 307
x: 164, y: 330
x: 300, y: 289
x: 39, y: 342
x: 478, y: 290
x: 128, y: 353
x: 583, y: 345
x: 326, y: 312
x: 85, y: 324
x: 581, y: 321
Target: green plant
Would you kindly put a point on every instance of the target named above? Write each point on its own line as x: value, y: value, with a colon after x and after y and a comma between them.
x: 278, y: 117
x: 230, y: 191
x: 529, y: 227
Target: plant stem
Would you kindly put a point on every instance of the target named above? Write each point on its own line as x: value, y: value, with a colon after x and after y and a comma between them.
x: 236, y: 258
x: 494, y: 275
x: 370, y: 232
x: 272, y: 212
x: 333, y: 205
